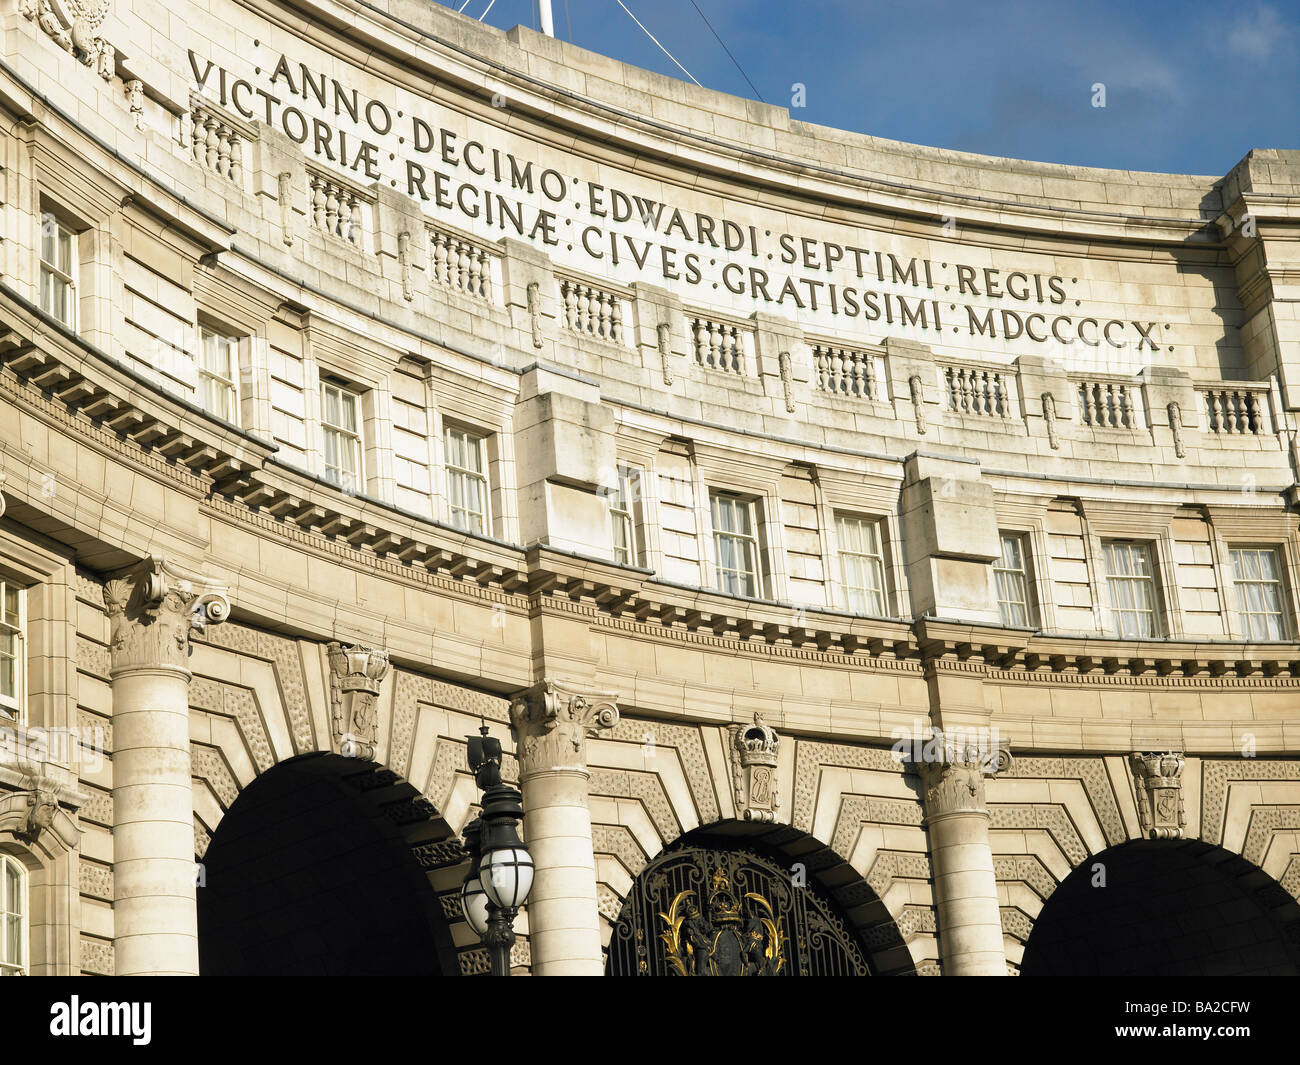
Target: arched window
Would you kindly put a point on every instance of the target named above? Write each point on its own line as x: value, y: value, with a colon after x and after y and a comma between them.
x: 13, y: 917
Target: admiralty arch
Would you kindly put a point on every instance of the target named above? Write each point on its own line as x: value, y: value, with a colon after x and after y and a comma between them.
x: 884, y: 552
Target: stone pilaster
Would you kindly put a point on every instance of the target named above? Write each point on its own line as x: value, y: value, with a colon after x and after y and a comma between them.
x: 356, y: 672
x: 965, y: 887
x: 152, y: 609
x: 551, y: 723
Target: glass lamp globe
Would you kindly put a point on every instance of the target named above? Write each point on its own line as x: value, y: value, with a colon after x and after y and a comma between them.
x: 474, y: 904
x: 507, y: 876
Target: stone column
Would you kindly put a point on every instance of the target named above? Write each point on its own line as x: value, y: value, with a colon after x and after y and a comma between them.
x: 965, y: 888
x: 551, y: 723
x: 151, y: 610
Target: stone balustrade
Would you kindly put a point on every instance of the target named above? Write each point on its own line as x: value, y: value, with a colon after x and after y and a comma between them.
x: 592, y: 311
x: 334, y: 208
x: 1107, y: 404
x: 718, y: 345
x: 215, y: 144
x: 458, y: 264
x: 976, y: 391
x: 846, y: 372
x: 1236, y: 409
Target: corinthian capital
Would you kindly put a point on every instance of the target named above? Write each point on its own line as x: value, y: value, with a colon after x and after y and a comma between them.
x: 152, y: 609
x: 356, y: 672
x: 952, y: 770
x: 552, y: 722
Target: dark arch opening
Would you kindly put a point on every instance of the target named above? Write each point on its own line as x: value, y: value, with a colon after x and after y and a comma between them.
x: 832, y: 920
x: 1168, y: 908
x: 315, y: 870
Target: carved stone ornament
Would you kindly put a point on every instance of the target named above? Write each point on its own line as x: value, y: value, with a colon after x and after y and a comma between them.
x: 43, y: 808
x: 152, y: 608
x: 952, y: 774
x: 1158, y: 780
x: 1175, y: 413
x: 404, y: 261
x: 918, y: 402
x: 552, y: 723
x: 356, y: 672
x: 534, y: 294
x: 74, y: 26
x: 787, y: 383
x: 2, y: 498
x: 753, y: 766
x: 663, y: 333
x: 1049, y: 419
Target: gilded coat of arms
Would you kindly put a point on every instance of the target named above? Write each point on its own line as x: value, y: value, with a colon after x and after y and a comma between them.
x: 728, y: 936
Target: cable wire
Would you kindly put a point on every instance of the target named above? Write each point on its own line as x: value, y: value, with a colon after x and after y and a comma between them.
x: 489, y: 8
x: 727, y: 50
x: 660, y: 46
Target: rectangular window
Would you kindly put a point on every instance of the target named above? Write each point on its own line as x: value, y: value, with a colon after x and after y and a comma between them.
x: 467, y: 483
x: 12, y: 654
x: 218, y: 371
x: 1130, y: 578
x: 58, y: 270
x: 342, y: 428
x: 862, y: 565
x: 1257, y: 578
x: 13, y: 917
x: 627, y: 551
x: 735, y: 544
x: 1011, y: 571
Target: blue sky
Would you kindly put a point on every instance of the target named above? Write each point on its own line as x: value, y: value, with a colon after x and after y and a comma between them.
x: 1190, y: 86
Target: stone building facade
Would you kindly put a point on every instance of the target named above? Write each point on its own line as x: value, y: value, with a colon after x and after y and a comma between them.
x: 917, y: 527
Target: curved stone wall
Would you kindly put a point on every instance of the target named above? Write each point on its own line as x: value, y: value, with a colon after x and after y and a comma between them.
x: 501, y: 363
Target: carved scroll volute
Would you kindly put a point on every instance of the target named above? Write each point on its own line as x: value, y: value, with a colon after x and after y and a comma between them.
x: 1158, y: 781
x: 356, y: 673
x: 152, y: 609
x: 754, y: 749
x: 552, y: 723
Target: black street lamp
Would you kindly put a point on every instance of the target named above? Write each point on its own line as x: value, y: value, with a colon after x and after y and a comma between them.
x: 501, y: 871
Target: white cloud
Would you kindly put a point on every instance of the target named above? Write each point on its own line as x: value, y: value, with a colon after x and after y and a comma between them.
x: 1257, y: 34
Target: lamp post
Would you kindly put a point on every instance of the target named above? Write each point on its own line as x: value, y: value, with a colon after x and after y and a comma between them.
x: 501, y: 872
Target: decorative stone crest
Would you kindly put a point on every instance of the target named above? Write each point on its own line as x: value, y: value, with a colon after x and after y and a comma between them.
x: 152, y: 608
x: 753, y: 767
x: 356, y: 672
x: 1158, y: 780
x: 552, y: 722
x: 74, y: 26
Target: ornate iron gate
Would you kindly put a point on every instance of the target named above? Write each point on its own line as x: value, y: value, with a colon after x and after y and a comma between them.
x: 700, y: 912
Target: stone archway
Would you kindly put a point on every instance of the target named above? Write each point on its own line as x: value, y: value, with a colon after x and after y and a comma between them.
x: 825, y: 888
x: 1167, y: 908
x: 326, y: 865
